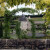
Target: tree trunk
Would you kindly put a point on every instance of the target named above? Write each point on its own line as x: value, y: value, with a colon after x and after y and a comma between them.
x: 1, y: 30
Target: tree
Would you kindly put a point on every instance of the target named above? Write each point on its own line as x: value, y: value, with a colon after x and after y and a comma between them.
x: 11, y: 3
x: 44, y: 4
x: 40, y: 4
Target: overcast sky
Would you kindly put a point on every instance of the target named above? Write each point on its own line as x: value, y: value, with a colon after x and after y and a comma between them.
x: 23, y: 6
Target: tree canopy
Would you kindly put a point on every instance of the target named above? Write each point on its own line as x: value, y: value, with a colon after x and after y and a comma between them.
x: 44, y: 4
x: 29, y: 10
x: 40, y: 4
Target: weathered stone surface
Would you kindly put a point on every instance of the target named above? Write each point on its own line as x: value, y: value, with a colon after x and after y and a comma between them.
x: 2, y: 43
x: 24, y: 43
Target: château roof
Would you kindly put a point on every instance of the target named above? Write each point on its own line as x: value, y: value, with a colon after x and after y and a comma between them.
x: 23, y: 18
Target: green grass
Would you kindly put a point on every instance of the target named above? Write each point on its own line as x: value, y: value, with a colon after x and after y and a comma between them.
x: 38, y: 19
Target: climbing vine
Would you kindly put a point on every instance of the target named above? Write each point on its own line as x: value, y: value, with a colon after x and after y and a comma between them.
x: 32, y: 28
x: 18, y: 30
x: 6, y: 27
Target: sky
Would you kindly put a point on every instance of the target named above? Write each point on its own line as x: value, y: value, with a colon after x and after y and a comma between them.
x: 23, y: 6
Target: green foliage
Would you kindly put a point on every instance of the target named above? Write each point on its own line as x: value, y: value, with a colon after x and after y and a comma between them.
x: 18, y: 30
x: 30, y: 10
x: 7, y: 18
x: 11, y: 3
x: 24, y: 35
x: 6, y: 27
x: 40, y: 4
x: 32, y: 28
x: 44, y: 5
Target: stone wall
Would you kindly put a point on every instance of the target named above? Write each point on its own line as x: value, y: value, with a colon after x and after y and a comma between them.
x: 24, y: 43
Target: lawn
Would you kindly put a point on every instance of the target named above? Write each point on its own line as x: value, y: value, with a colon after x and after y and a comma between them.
x: 38, y: 19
